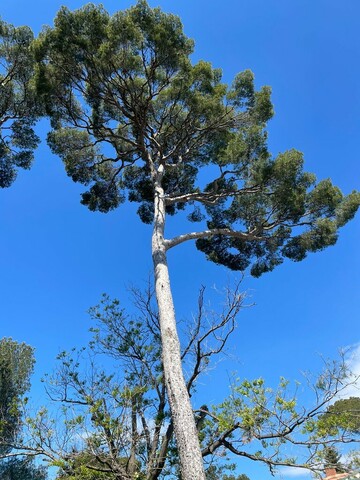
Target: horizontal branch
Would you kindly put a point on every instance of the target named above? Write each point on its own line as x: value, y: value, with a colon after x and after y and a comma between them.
x: 209, y: 198
x: 271, y: 461
x: 210, y: 233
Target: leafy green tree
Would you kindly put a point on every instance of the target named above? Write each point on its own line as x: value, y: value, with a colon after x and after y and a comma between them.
x: 19, y: 107
x: 343, y: 414
x: 16, y: 366
x: 84, y: 466
x: 21, y: 469
x: 124, y: 418
x: 114, y: 418
x: 349, y: 463
x: 332, y: 459
x: 131, y: 115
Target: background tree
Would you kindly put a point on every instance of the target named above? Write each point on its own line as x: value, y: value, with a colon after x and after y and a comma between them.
x: 16, y: 366
x: 83, y: 466
x: 21, y: 469
x: 119, y: 426
x: 341, y: 416
x: 348, y: 463
x: 353, y: 461
x: 19, y: 107
x: 236, y: 477
x: 215, y: 473
x: 332, y: 459
x: 344, y: 413
x: 131, y: 114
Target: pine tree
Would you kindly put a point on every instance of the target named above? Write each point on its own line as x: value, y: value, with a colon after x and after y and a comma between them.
x: 332, y: 459
x: 132, y: 116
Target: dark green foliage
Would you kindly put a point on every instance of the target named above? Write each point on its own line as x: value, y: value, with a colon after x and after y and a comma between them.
x: 16, y: 365
x: 332, y: 459
x: 236, y: 477
x: 282, y: 203
x: 125, y: 100
x: 21, y: 469
x: 343, y: 414
x: 114, y: 390
x: 215, y: 472
x: 104, y: 404
x: 108, y: 53
x: 114, y: 421
x: 19, y: 107
x: 77, y: 469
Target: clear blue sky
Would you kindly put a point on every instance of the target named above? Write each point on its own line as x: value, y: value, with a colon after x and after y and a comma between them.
x: 57, y: 257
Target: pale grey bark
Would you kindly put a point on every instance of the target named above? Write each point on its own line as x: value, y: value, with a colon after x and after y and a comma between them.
x: 209, y: 198
x: 246, y: 236
x: 190, y: 456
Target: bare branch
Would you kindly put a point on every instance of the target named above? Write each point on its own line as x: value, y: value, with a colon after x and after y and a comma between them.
x: 210, y: 233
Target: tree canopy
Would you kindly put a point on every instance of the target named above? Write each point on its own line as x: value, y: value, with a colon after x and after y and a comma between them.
x: 132, y: 117
x: 342, y: 415
x: 124, y: 100
x: 114, y: 420
x: 332, y: 459
x: 19, y: 106
x: 21, y: 469
x: 16, y: 366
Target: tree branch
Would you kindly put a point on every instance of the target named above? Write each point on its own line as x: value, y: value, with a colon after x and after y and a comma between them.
x: 210, y: 233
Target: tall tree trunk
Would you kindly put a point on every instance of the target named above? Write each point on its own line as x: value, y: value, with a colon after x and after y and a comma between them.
x: 191, y: 462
